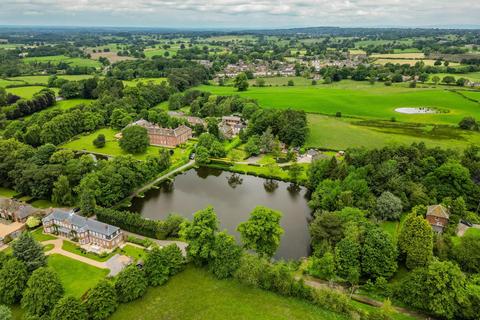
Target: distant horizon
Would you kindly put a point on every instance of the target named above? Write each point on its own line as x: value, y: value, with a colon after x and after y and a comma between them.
x: 238, y: 29
x: 241, y: 14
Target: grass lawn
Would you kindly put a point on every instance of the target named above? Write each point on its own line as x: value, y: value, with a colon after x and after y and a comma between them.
x: 40, y: 236
x: 112, y: 148
x: 64, y: 105
x: 359, y: 99
x: 396, y: 316
x: 133, y: 252
x: 76, y: 277
x: 28, y: 91
x: 283, y: 81
x: 42, y: 204
x: 7, y: 193
x: 74, y: 248
x: 340, y: 133
x: 48, y: 247
x: 195, y: 294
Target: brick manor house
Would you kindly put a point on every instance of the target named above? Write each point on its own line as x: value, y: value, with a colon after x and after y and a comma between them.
x: 165, y: 137
x: 84, y: 230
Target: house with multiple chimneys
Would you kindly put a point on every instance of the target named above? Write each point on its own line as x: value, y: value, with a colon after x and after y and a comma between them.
x: 231, y: 126
x: 84, y: 230
x: 164, y: 137
x: 190, y: 119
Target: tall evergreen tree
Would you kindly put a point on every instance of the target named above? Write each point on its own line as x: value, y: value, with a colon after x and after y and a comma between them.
x: 28, y: 250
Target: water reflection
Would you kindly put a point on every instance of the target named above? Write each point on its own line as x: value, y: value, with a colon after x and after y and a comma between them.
x: 233, y: 196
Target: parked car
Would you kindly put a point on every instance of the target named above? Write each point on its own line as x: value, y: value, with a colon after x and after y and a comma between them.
x: 192, y: 156
x: 467, y: 223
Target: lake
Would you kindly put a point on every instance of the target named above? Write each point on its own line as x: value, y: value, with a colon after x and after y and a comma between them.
x: 233, y: 196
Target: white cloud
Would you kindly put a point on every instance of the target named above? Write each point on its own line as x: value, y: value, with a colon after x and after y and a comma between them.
x: 238, y: 13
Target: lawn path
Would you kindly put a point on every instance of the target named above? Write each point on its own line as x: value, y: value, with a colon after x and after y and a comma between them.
x: 57, y: 249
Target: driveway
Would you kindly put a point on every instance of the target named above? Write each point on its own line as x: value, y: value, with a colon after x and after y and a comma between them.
x: 115, y: 264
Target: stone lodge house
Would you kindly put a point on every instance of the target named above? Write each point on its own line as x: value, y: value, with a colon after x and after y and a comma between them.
x: 11, y: 209
x: 437, y: 216
x: 231, y: 126
x: 165, y: 137
x: 84, y: 230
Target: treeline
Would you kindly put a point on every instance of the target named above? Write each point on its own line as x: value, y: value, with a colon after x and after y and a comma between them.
x: 181, y: 73
x: 391, y: 72
x: 50, y: 173
x: 414, y: 174
x: 116, y: 106
x: 135, y: 223
x: 21, y: 108
x: 25, y: 279
x: 290, y: 126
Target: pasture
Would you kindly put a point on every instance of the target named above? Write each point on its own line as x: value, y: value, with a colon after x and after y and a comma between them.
x: 28, y: 91
x: 80, y: 62
x: 134, y: 82
x: 328, y: 132
x: 43, y: 80
x: 472, y: 76
x: 196, y: 294
x: 362, y: 100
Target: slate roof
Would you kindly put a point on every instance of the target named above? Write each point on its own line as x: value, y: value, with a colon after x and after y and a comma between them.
x: 83, y: 223
x: 438, y: 211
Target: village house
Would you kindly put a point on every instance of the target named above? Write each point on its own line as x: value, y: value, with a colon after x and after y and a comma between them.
x: 97, y: 235
x: 165, y: 137
x: 13, y: 210
x: 437, y: 216
x: 231, y: 126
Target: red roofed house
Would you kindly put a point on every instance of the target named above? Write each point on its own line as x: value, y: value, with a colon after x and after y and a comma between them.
x: 165, y: 137
x: 437, y: 216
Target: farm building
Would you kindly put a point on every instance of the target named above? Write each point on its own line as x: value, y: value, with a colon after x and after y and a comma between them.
x: 190, y: 119
x: 231, y: 126
x: 437, y: 216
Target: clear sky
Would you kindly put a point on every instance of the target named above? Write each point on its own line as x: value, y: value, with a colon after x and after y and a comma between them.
x: 240, y: 13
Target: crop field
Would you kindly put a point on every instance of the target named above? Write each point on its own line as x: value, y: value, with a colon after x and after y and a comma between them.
x: 341, y: 133
x: 363, y: 43
x: 28, y: 91
x: 80, y: 62
x: 408, y: 55
x: 373, y: 102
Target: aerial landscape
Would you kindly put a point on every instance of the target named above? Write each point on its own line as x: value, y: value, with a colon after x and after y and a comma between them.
x: 239, y: 160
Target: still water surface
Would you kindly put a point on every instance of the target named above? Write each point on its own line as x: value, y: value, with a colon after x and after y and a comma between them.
x: 233, y: 196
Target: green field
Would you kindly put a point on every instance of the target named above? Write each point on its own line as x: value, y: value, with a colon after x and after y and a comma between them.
x: 134, y: 82
x: 76, y: 277
x: 28, y: 91
x: 341, y: 133
x: 362, y: 100
x: 473, y: 76
x: 44, y: 79
x: 282, y: 81
x: 195, y: 294
x: 112, y: 148
x: 78, y: 62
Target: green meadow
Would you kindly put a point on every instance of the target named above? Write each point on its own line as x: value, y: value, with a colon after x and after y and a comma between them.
x: 28, y: 91
x: 134, y: 82
x: 80, y: 62
x: 362, y: 100
x: 196, y: 294
x: 341, y: 133
x: 472, y: 76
